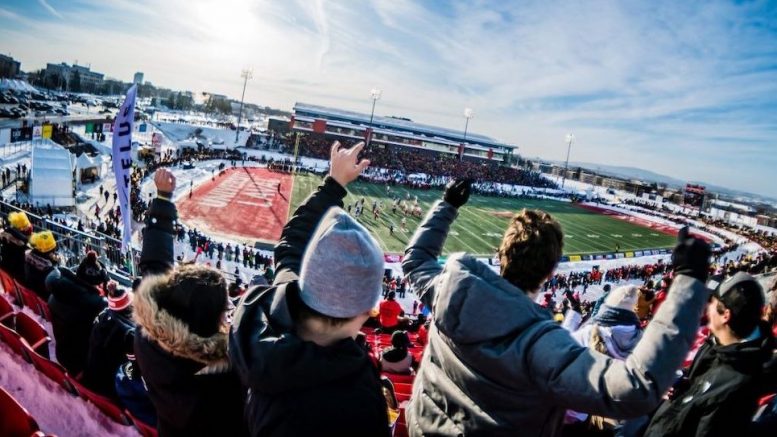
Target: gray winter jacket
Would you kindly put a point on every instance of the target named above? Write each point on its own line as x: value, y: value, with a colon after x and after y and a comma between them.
x: 496, y: 364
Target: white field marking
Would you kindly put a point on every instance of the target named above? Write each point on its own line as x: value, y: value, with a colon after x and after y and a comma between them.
x: 617, y: 235
x: 592, y: 236
x: 636, y: 235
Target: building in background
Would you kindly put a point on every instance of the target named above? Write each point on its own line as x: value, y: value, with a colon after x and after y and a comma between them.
x: 9, y: 67
x: 138, y: 78
x: 76, y: 78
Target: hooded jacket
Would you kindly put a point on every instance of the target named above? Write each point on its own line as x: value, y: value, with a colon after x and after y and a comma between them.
x: 188, y: 377
x: 721, y: 392
x: 37, y: 266
x: 496, y: 363
x: 111, y: 333
x: 297, y: 387
x: 74, y: 305
x: 13, y: 244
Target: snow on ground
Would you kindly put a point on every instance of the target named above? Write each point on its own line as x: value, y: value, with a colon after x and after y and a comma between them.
x: 55, y: 410
x: 181, y: 131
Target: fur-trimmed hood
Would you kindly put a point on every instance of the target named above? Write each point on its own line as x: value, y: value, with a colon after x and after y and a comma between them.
x: 172, y: 334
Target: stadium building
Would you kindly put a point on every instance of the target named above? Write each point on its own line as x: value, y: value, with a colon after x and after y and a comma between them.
x: 397, y: 132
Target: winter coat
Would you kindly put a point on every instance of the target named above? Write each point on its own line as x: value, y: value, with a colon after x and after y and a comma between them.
x: 497, y: 364
x: 111, y: 333
x: 37, y: 266
x: 721, y: 392
x: 13, y: 245
x: 297, y: 387
x: 132, y: 394
x: 397, y: 361
x: 615, y: 341
x: 74, y: 304
x: 188, y: 377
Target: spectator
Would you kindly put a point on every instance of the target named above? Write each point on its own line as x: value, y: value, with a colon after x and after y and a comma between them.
x: 488, y: 328
x: 645, y: 301
x: 599, y: 302
x: 93, y: 269
x: 181, y: 345
x: 131, y: 389
x: 391, y: 314
x: 397, y: 358
x: 111, y: 332
x: 41, y: 259
x: 13, y: 244
x: 720, y: 392
x: 74, y: 303
x: 293, y: 343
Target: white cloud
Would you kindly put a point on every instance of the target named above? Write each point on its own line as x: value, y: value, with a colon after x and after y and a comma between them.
x: 49, y: 8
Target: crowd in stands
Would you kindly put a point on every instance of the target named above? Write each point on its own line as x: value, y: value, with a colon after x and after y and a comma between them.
x: 405, y: 162
x: 308, y: 353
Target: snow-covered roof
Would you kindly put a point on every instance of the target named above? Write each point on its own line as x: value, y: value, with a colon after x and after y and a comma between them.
x: 16, y: 85
x: 395, y: 124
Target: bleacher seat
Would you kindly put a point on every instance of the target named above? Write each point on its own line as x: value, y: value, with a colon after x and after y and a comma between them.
x: 31, y: 300
x: 14, y: 341
x: 15, y: 421
x: 403, y: 387
x: 7, y: 312
x: 53, y: 370
x: 145, y: 429
x: 8, y: 284
x: 104, y: 404
x: 399, y: 378
x: 34, y: 333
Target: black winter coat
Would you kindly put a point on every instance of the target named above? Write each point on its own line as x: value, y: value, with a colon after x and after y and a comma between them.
x: 189, y: 378
x: 13, y: 244
x: 37, y: 267
x: 111, y: 333
x: 74, y: 306
x: 720, y: 394
x: 297, y: 387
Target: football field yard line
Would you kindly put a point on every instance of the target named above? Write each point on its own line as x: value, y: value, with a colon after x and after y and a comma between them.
x: 482, y: 222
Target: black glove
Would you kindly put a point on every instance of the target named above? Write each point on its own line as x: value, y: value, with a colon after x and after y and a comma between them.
x: 457, y: 192
x: 691, y: 256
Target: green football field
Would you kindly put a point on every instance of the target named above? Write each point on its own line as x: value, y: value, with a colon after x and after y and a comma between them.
x: 482, y: 221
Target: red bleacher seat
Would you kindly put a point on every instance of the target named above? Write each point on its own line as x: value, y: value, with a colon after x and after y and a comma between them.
x: 34, y: 333
x: 54, y: 371
x: 7, y: 312
x: 399, y: 378
x: 15, y: 421
x: 401, y: 397
x: 403, y: 387
x: 104, y: 404
x: 145, y: 429
x: 14, y: 341
x: 8, y: 284
x: 31, y: 300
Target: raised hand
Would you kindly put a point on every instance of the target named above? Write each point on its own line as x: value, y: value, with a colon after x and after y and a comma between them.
x: 344, y: 164
x: 457, y: 192
x: 164, y: 180
x: 691, y: 256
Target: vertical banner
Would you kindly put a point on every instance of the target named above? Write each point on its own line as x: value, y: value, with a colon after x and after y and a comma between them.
x: 37, y: 132
x: 291, y: 123
x: 319, y: 126
x: 122, y: 161
x: 490, y: 153
x: 461, y: 151
x: 5, y: 136
x: 368, y: 135
x: 47, y: 131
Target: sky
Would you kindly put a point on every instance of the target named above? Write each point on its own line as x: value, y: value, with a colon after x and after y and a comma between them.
x: 687, y: 89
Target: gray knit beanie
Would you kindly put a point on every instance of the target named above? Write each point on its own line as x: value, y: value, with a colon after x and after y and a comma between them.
x: 342, y: 269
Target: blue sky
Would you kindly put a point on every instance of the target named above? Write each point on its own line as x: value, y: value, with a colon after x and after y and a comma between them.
x: 688, y: 89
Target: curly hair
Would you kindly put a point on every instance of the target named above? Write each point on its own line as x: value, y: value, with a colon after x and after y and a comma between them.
x: 531, y: 249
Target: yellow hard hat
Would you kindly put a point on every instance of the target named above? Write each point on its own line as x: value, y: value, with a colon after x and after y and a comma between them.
x: 43, y: 241
x: 19, y: 221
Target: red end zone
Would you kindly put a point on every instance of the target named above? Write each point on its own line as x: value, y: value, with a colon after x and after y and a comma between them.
x: 244, y: 203
x: 665, y: 229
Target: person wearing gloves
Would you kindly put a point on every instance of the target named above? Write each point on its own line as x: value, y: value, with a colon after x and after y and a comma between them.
x: 293, y: 343
x: 497, y: 364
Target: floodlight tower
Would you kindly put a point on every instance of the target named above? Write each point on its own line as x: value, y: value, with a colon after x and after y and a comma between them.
x: 246, y: 74
x: 569, y: 139
x: 375, y: 96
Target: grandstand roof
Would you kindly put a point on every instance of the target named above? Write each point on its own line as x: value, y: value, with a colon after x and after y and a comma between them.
x: 396, y: 124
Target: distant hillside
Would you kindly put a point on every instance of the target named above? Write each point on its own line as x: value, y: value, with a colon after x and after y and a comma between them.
x: 651, y: 176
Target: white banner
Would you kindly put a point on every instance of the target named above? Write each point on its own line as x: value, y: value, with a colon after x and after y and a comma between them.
x: 37, y: 132
x: 122, y: 161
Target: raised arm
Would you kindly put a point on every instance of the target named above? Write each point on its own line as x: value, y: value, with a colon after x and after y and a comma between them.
x: 158, y: 255
x: 345, y: 167
x: 420, y: 262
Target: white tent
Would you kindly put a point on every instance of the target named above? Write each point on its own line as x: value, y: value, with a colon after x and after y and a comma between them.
x: 88, y: 167
x: 51, y: 176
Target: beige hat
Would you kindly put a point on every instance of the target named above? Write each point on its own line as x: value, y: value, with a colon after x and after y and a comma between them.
x: 623, y: 297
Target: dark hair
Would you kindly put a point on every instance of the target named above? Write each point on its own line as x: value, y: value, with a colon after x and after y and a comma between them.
x: 197, y: 296
x: 745, y: 315
x: 531, y: 249
x: 400, y: 340
x: 392, y: 295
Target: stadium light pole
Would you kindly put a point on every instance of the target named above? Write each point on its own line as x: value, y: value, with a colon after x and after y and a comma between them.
x: 468, y: 113
x: 246, y: 74
x: 569, y: 139
x: 375, y: 95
